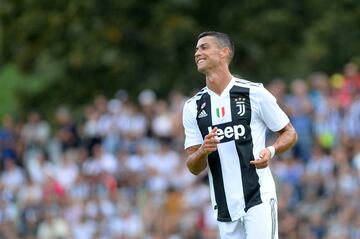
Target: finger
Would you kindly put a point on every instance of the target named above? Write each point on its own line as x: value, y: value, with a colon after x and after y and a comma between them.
x: 254, y: 162
x: 212, y: 149
x: 209, y: 149
x: 211, y: 135
x: 261, y: 160
x: 213, y: 132
x: 261, y: 163
x: 215, y: 140
x: 263, y: 153
x: 212, y: 140
x: 259, y: 166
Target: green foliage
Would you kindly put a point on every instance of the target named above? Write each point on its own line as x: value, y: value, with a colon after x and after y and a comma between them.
x: 15, y: 83
x: 66, y: 52
x: 9, y: 77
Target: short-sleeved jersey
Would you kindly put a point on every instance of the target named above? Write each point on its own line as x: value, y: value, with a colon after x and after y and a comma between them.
x: 242, y: 113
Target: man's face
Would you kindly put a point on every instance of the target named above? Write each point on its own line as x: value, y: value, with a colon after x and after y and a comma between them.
x: 208, y: 54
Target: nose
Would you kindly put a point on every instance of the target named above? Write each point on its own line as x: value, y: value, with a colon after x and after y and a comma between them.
x: 197, y: 53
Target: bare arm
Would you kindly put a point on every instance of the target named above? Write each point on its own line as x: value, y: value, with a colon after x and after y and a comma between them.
x: 197, y: 159
x: 197, y: 155
x: 286, y: 139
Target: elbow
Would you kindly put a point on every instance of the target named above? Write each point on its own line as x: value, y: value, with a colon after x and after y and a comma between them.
x: 295, y: 138
x: 193, y: 169
x: 194, y: 172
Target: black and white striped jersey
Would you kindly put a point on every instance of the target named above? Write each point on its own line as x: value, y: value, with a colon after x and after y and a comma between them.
x: 241, y: 113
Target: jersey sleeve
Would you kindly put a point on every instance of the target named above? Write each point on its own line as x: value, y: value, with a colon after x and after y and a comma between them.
x: 192, y: 132
x: 271, y: 113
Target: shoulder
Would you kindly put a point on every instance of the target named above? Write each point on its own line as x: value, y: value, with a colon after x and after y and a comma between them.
x: 247, y: 83
x: 197, y: 96
x: 255, y: 88
x: 190, y: 106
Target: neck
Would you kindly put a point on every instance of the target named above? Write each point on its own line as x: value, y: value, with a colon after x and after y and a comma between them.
x: 217, y: 81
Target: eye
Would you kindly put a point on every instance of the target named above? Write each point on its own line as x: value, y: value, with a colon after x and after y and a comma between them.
x: 201, y: 47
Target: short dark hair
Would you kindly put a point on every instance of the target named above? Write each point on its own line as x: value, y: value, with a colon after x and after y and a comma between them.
x: 223, y: 39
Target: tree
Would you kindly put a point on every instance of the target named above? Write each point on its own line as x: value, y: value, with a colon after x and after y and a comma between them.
x: 74, y: 50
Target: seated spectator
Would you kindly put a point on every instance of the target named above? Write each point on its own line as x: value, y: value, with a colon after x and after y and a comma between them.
x: 35, y: 132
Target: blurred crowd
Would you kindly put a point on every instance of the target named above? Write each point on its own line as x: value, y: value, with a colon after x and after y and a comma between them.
x: 117, y: 170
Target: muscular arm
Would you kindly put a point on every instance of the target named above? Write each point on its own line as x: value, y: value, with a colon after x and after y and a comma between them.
x: 287, y: 137
x: 197, y: 159
x: 197, y: 155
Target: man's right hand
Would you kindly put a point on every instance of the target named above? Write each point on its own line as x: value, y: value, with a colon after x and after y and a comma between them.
x: 197, y: 155
x: 210, y: 142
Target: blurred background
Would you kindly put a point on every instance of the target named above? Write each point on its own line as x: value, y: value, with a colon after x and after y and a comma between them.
x: 91, y: 97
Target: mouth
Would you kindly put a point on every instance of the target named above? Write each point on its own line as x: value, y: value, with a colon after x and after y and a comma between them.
x: 200, y: 60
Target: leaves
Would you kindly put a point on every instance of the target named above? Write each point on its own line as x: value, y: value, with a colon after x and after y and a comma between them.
x: 74, y: 50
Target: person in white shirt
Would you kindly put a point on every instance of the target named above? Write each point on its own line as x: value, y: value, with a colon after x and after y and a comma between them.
x: 225, y: 125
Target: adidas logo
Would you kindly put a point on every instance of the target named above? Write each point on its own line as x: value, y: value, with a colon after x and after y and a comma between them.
x: 202, y: 114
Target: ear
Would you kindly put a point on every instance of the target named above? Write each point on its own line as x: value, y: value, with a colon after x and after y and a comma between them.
x: 225, y: 52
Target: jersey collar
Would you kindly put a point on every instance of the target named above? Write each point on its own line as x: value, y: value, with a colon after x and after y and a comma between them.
x: 225, y: 91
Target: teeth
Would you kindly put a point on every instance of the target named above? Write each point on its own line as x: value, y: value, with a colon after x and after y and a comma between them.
x: 201, y: 60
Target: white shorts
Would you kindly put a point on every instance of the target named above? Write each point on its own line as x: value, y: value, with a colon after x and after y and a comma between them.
x: 260, y: 222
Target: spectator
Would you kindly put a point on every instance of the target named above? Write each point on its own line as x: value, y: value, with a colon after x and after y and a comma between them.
x: 35, y: 133
x: 132, y: 126
x: 162, y: 123
x: 130, y: 183
x: 300, y: 111
x: 53, y: 226
x: 66, y: 172
x: 67, y: 132
x: 13, y: 176
x: 350, y: 85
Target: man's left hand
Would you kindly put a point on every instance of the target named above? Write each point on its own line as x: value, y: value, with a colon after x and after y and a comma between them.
x: 263, y: 160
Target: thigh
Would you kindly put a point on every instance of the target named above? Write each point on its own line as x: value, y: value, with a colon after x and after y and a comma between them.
x: 261, y: 221
x: 232, y: 230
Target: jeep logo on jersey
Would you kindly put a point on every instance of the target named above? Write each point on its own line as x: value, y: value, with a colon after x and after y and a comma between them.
x: 230, y: 132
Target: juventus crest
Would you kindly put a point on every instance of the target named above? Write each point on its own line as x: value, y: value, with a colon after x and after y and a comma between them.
x: 240, y: 102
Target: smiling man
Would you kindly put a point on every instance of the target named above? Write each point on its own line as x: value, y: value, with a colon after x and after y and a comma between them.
x: 225, y: 125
